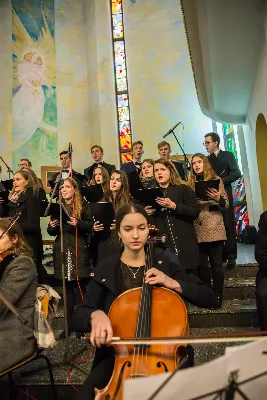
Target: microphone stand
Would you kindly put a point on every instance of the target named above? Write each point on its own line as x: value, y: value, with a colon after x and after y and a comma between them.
x: 9, y: 170
x: 186, y: 161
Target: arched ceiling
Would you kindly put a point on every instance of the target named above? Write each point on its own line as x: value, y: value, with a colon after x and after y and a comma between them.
x: 225, y: 41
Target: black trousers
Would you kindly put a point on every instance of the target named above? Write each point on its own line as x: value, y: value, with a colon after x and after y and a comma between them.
x: 74, y: 295
x: 261, y: 299
x: 230, y: 246
x: 211, y: 253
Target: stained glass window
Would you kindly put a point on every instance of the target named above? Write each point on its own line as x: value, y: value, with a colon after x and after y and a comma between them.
x: 122, y: 95
x: 239, y: 189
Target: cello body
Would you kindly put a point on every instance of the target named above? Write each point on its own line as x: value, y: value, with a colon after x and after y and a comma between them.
x: 165, y: 313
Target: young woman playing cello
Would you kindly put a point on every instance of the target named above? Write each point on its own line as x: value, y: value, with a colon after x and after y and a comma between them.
x: 119, y: 273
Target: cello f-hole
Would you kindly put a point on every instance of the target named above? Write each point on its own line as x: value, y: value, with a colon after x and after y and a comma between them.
x: 160, y: 364
x: 126, y: 364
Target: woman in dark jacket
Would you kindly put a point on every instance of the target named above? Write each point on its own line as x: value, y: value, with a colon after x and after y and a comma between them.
x: 77, y: 229
x: 25, y: 200
x: 18, y: 283
x: 177, y: 215
x: 147, y: 173
x: 261, y: 279
x: 119, y: 273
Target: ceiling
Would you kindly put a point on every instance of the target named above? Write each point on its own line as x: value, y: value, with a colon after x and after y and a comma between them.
x: 225, y: 41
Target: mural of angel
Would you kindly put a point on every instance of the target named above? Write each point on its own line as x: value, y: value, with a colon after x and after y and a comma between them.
x: 34, y: 72
x: 28, y: 102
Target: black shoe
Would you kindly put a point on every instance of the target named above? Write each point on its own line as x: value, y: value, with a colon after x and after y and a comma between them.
x: 231, y: 264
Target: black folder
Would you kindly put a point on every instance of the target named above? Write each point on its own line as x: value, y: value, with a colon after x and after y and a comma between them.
x: 8, y: 184
x: 104, y: 213
x: 4, y: 196
x: 135, y: 182
x: 148, y: 197
x: 54, y: 211
x: 93, y: 193
x: 201, y: 188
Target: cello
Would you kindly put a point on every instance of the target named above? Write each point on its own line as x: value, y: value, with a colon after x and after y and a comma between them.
x: 145, y: 312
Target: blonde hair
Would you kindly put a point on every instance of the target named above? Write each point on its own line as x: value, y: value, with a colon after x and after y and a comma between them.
x: 76, y: 206
x: 208, y: 172
x: 36, y: 183
x: 27, y: 176
x: 175, y: 178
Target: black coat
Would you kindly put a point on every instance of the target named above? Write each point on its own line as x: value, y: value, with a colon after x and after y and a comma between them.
x: 85, y: 227
x: 179, y: 224
x: 226, y: 167
x: 106, y: 285
x: 89, y: 171
x: 261, y: 244
x: 29, y: 205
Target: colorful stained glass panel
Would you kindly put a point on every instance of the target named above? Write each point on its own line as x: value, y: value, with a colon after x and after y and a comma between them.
x: 117, y: 20
x: 119, y: 46
x: 116, y: 7
x: 122, y: 100
x: 121, y: 85
x: 118, y: 32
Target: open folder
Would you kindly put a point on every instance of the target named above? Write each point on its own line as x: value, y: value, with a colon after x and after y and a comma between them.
x: 104, y: 213
x: 4, y: 196
x: 93, y: 193
x: 201, y: 188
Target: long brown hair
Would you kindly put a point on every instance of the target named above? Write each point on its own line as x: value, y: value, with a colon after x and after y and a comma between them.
x: 106, y: 179
x: 27, y: 176
x: 36, y: 183
x: 76, y: 206
x: 20, y: 246
x: 175, y: 178
x: 208, y: 172
x: 123, y: 195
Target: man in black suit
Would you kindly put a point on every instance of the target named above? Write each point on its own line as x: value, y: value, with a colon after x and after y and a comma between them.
x: 137, y: 155
x: 226, y: 167
x: 97, y: 154
x: 164, y: 149
x: 66, y: 171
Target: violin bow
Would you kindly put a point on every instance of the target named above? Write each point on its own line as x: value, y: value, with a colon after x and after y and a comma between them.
x: 12, y: 222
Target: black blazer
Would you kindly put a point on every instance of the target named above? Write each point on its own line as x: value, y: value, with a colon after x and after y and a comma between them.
x: 226, y: 167
x: 79, y: 178
x: 261, y: 244
x: 179, y: 168
x: 106, y: 285
x: 29, y: 206
x: 129, y: 167
x: 180, y: 224
x: 89, y: 171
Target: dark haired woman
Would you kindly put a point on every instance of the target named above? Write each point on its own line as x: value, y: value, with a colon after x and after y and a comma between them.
x: 24, y: 199
x: 147, y: 173
x: 119, y: 273
x: 18, y: 283
x: 209, y: 225
x: 119, y: 194
x: 75, y: 243
x: 177, y: 215
x: 101, y: 177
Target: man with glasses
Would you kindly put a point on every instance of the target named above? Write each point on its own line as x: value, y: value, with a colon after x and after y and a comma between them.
x: 25, y: 163
x: 226, y: 167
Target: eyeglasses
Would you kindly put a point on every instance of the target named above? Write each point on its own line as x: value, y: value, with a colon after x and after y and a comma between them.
x: 23, y: 165
x: 206, y: 143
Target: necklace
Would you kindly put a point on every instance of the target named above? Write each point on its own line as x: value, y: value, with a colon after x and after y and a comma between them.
x: 130, y: 269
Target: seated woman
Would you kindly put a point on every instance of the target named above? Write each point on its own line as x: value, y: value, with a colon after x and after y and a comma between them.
x: 176, y: 216
x: 119, y: 273
x: 209, y: 225
x: 18, y: 283
x: 147, y: 173
x: 76, y: 230
x: 24, y: 198
x: 261, y: 279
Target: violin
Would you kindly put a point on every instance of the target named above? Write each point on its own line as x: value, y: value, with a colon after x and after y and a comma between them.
x: 150, y: 314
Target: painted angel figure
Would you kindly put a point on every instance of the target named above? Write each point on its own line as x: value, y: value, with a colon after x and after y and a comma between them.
x: 28, y: 102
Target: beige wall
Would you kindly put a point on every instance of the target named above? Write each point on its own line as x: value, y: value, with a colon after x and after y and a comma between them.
x: 6, y: 82
x: 161, y: 84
